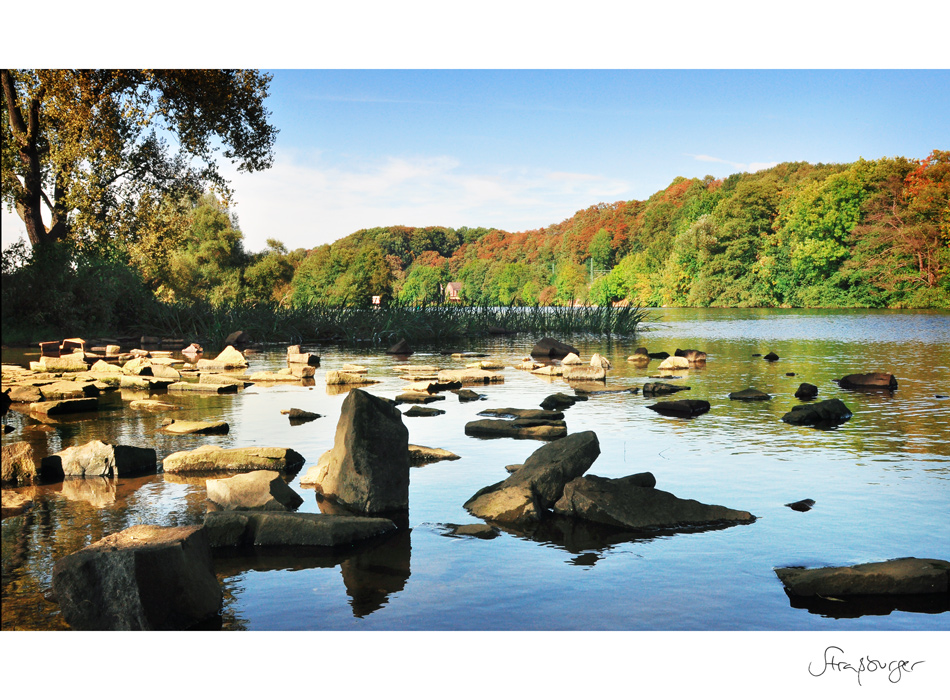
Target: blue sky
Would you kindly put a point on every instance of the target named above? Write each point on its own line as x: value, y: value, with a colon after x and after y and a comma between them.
x: 518, y: 148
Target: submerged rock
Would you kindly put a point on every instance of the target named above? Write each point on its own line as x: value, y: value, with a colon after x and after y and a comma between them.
x: 260, y: 490
x: 535, y: 487
x: 685, y: 408
x: 821, y: 414
x: 143, y: 578
x: 480, y: 530
x: 661, y: 389
x: 910, y: 576
x: 750, y: 394
x: 633, y: 503
x: 530, y: 413
x: 874, y: 380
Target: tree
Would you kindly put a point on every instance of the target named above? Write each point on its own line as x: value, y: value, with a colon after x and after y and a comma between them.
x: 90, y: 145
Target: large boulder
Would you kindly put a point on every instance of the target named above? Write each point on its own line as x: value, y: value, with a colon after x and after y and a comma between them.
x: 276, y: 529
x: 19, y: 463
x: 549, y: 347
x: 874, y: 380
x: 211, y: 458
x: 910, y: 576
x: 368, y: 468
x: 527, y: 494
x: 821, y: 414
x: 97, y: 458
x: 632, y: 503
x: 143, y: 578
x: 260, y: 490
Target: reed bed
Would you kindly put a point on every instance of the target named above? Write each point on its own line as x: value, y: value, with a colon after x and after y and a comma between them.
x: 353, y: 326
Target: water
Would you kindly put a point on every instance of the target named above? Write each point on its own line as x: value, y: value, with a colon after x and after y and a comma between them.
x: 881, y: 483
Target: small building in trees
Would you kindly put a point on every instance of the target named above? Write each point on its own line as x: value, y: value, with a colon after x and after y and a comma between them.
x: 453, y: 290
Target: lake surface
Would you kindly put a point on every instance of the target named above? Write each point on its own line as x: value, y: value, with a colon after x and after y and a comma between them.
x: 880, y: 482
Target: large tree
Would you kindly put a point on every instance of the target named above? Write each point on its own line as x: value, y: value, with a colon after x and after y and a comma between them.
x: 92, y: 146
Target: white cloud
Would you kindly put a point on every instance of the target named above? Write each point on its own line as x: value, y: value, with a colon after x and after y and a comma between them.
x: 740, y: 167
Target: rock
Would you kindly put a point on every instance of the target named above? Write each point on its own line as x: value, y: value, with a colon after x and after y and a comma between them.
x: 417, y: 397
x: 143, y: 578
x: 802, y: 506
x: 304, y: 358
x: 468, y: 395
x: 68, y: 390
x: 694, y: 357
x: 227, y: 378
x: 463, y: 355
x: 549, y: 371
x: 238, y: 338
x: 14, y: 503
x: 632, y: 503
x: 572, y: 359
x: 210, y: 458
x: 203, y: 387
x: 470, y: 376
x: 164, y: 371
x: 639, y: 358
x: 193, y: 349
x: 19, y: 463
x: 24, y: 394
x: 138, y: 367
x: 73, y: 362
x: 588, y: 390
x: 549, y: 347
x: 598, y: 360
x: 432, y: 386
x: 510, y: 468
x: 519, y: 428
x: 686, y: 408
x: 196, y: 427
x: 584, y: 373
x: 560, y: 401
x: 529, y: 492
x: 875, y: 380
x: 749, y: 394
x: 400, y: 348
x: 480, y: 530
x: 298, y: 416
x: 530, y: 413
x: 910, y: 576
x: 97, y: 458
x: 674, y: 362
x: 419, y: 455
x: 423, y: 411
x: 229, y: 358
x: 368, y: 468
x: 334, y: 378
x: 55, y: 408
x: 658, y: 355
x: 821, y: 414
x: 806, y: 391
x: 260, y: 490
x: 280, y: 376
x: 276, y: 529
x: 771, y: 357
x: 528, y: 365
x: 153, y: 405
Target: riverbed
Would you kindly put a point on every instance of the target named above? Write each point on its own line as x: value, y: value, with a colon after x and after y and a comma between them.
x: 880, y: 483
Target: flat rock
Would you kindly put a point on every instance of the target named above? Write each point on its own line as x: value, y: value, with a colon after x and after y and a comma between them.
x: 419, y: 455
x: 196, y: 427
x: 210, y: 458
x: 549, y: 371
x: 143, y: 578
x: 874, y: 380
x: 153, y: 405
x: 686, y: 408
x: 68, y: 390
x: 65, y: 406
x: 335, y: 378
x: 423, y: 411
x: 97, y: 458
x: 417, y: 397
x: 203, y: 387
x: 632, y: 503
x: 821, y: 414
x: 750, y: 394
x: 584, y: 373
x: 910, y: 576
x: 471, y: 376
x: 271, y: 529
x: 260, y: 490
x: 518, y: 428
x: 531, y: 413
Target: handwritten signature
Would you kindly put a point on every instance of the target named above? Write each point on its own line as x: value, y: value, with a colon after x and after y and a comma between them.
x: 895, y: 669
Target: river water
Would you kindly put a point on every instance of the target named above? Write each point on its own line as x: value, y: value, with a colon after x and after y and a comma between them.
x: 880, y: 482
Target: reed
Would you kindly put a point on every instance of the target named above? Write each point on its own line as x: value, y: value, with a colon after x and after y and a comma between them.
x: 352, y: 326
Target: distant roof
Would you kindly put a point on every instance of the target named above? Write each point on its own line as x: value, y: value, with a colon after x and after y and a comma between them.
x: 453, y: 286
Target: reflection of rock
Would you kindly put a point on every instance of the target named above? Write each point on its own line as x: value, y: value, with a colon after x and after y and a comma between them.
x: 632, y: 503
x: 210, y: 458
x: 274, y: 529
x: 910, y: 576
x: 686, y: 408
x: 97, y: 458
x: 14, y: 503
x: 372, y: 574
x: 261, y: 490
x: 19, y: 463
x: 143, y: 578
x: 874, y: 380
x: 859, y: 606
x: 536, y: 486
x: 98, y: 491
x: 819, y: 415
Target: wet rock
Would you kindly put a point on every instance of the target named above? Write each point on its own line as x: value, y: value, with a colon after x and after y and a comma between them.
x: 821, y: 414
x: 260, y: 490
x: 400, y: 348
x: 97, y: 458
x: 518, y: 428
x: 661, y: 389
x: 368, y: 468
x: 806, y: 391
x: 572, y: 359
x: 588, y: 390
x: 470, y: 376
x: 771, y: 357
x: 874, y: 380
x: 211, y: 458
x: 417, y: 397
x: 229, y: 358
x: 560, y: 401
x: 910, y: 576
x: 530, y: 413
x: 298, y: 416
x: 274, y: 529
x: 195, y: 427
x: 686, y: 408
x: 633, y: 503
x: 143, y: 578
x: 674, y: 362
x: 419, y: 455
x: 750, y: 394
x: 584, y: 373
x: 19, y: 463
x: 526, y: 495
x: 468, y: 395
x: 549, y: 347
x: 802, y: 506
x: 423, y: 411
x: 14, y: 503
x: 56, y: 408
x: 335, y: 378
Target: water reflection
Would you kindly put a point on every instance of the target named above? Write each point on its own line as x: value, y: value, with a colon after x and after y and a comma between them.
x: 859, y: 606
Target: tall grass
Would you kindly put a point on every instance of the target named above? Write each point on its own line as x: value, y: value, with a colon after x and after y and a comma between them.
x: 385, y: 325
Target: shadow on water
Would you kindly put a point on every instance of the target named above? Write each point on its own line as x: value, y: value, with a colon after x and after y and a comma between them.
x: 859, y: 606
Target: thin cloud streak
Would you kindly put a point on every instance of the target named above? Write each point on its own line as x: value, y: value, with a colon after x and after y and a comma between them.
x: 740, y: 167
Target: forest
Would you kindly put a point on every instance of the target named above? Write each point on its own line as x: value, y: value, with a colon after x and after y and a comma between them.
x: 137, y: 232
